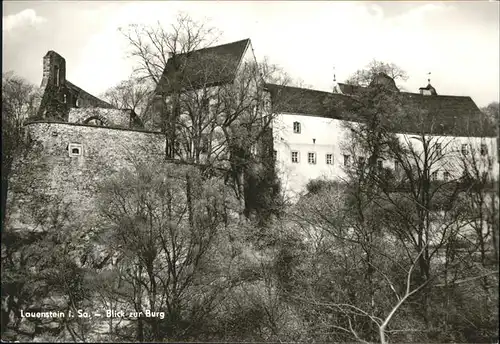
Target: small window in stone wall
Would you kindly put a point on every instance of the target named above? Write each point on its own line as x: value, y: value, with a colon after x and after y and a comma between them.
x: 75, y: 149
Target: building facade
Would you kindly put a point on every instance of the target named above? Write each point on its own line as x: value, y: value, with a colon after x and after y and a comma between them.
x: 79, y: 140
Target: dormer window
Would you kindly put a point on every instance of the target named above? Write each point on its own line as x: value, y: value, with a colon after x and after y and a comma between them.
x: 296, y: 127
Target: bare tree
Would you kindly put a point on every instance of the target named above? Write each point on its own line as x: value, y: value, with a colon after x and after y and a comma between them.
x: 363, y: 77
x: 165, y: 227
x: 132, y: 94
x: 20, y: 101
x: 152, y: 46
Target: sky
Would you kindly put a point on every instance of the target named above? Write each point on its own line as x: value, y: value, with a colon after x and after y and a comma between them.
x: 457, y: 42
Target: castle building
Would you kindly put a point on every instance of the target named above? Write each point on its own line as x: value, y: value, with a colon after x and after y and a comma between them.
x: 311, y: 136
x: 79, y: 140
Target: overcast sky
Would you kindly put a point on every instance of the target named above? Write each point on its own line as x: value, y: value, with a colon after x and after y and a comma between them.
x: 458, y: 42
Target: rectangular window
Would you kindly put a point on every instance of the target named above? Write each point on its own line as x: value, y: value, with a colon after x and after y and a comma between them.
x: 446, y: 176
x: 346, y: 160
x: 74, y: 149
x: 205, y: 106
x: 311, y: 158
x: 439, y: 150
x: 204, y: 143
x: 275, y: 154
x: 57, y: 76
x: 434, y: 175
x: 296, y: 127
x: 295, y: 157
x: 380, y: 164
x: 484, y: 149
x: 397, y: 167
x: 361, y: 161
x: 465, y: 148
x: 253, y: 149
x: 329, y: 159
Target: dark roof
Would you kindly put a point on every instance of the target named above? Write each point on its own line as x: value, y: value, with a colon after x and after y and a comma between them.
x: 307, y: 101
x: 204, y: 67
x: 443, y: 115
x: 349, y: 89
x: 97, y: 102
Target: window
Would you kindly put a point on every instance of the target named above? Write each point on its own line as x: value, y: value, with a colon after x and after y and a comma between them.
x: 465, y: 148
x: 361, y: 161
x: 275, y: 154
x: 205, y: 105
x: 439, y: 150
x: 484, y: 149
x: 434, y: 175
x: 329, y: 159
x: 380, y: 164
x: 346, y: 160
x: 296, y: 127
x: 204, y: 143
x: 65, y: 99
x: 295, y: 157
x: 397, y: 167
x: 74, y: 149
x: 311, y: 158
x: 95, y: 120
x: 57, y: 75
x: 77, y: 103
x: 446, y: 176
x: 253, y: 149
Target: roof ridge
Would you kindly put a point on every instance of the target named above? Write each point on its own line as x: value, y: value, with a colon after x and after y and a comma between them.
x: 215, y: 46
x: 308, y: 89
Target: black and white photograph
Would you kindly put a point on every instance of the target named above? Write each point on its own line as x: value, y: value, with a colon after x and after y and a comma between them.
x: 250, y: 171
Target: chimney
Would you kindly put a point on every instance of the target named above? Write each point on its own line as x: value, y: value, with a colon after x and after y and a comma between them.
x: 54, y: 70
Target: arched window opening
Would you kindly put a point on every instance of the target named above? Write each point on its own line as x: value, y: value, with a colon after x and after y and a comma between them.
x: 95, y: 120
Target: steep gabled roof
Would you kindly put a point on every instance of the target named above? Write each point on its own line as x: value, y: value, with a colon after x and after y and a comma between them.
x: 443, y: 115
x: 97, y: 101
x: 204, y: 67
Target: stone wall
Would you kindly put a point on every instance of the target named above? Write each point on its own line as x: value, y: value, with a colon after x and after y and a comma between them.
x: 59, y: 95
x: 69, y: 161
x: 108, y: 117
